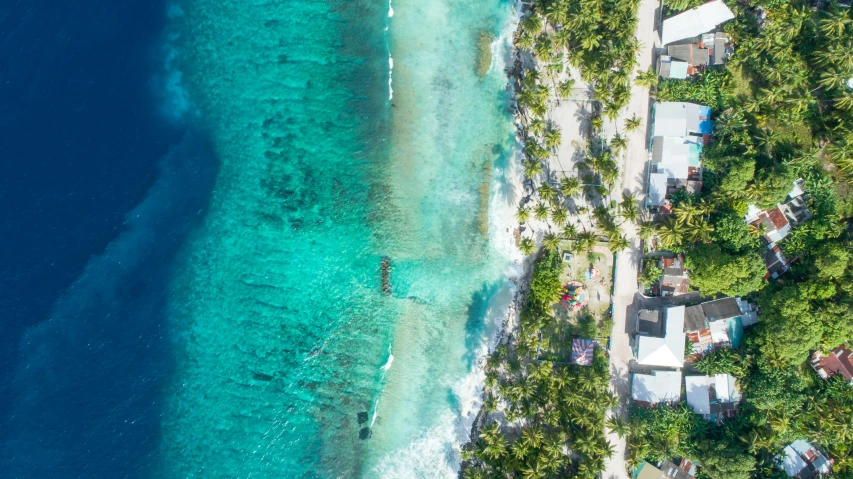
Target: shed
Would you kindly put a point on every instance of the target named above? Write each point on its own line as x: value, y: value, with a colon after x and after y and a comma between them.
x: 696, y: 21
x: 658, y: 387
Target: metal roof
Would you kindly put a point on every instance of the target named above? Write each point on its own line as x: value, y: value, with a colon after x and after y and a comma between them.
x: 695, y: 21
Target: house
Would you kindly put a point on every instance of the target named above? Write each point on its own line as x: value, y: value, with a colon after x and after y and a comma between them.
x: 582, y: 351
x: 775, y: 261
x: 838, y: 362
x: 680, y: 130
x: 776, y: 223
x: 717, y: 324
x: 712, y: 397
x: 695, y: 22
x: 801, y: 460
x: 660, y: 342
x: 683, y: 60
x: 668, y: 470
x: 655, y: 388
x: 674, y: 280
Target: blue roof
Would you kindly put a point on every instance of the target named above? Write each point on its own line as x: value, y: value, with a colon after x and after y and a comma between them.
x: 706, y: 126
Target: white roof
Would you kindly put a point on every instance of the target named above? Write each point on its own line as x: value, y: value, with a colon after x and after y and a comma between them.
x: 792, y: 463
x: 657, y: 189
x: 699, y: 391
x: 719, y: 331
x: 726, y: 389
x: 661, y: 386
x: 698, y: 394
x: 669, y: 350
x: 752, y: 213
x: 676, y: 118
x: 675, y: 168
x: 695, y: 21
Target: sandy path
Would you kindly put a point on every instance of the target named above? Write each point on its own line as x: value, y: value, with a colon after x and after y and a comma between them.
x: 633, y: 181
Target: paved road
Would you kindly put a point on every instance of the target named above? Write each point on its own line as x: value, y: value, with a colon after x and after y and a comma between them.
x: 633, y: 181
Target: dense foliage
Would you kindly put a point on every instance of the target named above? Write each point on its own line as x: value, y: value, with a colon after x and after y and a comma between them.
x: 554, y: 413
x: 783, y: 110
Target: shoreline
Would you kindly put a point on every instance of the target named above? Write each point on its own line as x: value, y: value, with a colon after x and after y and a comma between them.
x: 521, y: 284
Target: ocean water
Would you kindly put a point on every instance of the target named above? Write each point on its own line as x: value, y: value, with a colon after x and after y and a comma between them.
x: 235, y: 324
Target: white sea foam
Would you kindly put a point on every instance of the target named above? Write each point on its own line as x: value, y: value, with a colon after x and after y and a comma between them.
x: 390, y: 72
x: 388, y: 363
x: 390, y: 10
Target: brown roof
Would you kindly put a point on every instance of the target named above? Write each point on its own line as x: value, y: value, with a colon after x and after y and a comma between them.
x: 777, y: 218
x: 839, y: 361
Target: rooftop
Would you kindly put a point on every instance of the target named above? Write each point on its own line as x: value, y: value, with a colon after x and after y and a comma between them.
x: 658, y: 387
x: 695, y: 21
x: 666, y: 351
x: 838, y: 362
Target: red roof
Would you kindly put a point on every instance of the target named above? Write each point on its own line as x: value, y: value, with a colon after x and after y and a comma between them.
x: 839, y: 361
x: 777, y: 218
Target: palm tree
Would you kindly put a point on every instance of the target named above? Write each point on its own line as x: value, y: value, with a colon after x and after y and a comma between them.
x: 566, y: 88
x: 551, y: 242
x: 618, y: 243
x: 646, y: 230
x: 632, y: 124
x: 522, y: 214
x: 552, y: 138
x: 618, y: 143
x: 628, y: 208
x: 527, y: 246
x: 559, y: 216
x: 835, y: 23
x: 540, y: 212
x: 537, y: 126
x: 532, y: 168
x: 618, y: 426
x: 585, y: 240
x: 648, y: 78
x: 670, y: 233
x: 569, y: 231
x: 546, y: 192
x: 570, y: 186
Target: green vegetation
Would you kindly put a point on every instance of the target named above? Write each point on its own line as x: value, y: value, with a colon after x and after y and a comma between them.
x: 782, y: 111
x: 554, y: 412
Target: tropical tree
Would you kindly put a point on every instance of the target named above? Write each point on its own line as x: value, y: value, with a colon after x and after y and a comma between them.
x: 559, y: 215
x: 540, y: 211
x: 551, y: 241
x: 648, y: 78
x: 552, y: 138
x: 628, y: 208
x: 532, y: 168
x: 527, y: 246
x: 570, y: 186
x: 522, y: 214
x: 632, y: 124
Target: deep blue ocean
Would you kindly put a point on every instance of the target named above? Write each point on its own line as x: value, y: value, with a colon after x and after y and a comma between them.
x: 82, y: 142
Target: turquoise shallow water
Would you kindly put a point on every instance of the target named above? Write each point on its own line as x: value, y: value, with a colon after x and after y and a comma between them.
x: 290, y: 361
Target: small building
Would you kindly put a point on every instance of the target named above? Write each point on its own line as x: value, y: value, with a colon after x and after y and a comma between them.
x: 695, y: 22
x: 690, y: 57
x: 655, y: 388
x: 802, y: 460
x: 775, y: 261
x: 713, y: 397
x: 682, y: 119
x: 675, y: 280
x: 668, y: 470
x: 680, y: 130
x: 663, y: 346
x: 717, y: 324
x: 777, y: 223
x: 839, y: 362
x: 582, y: 351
